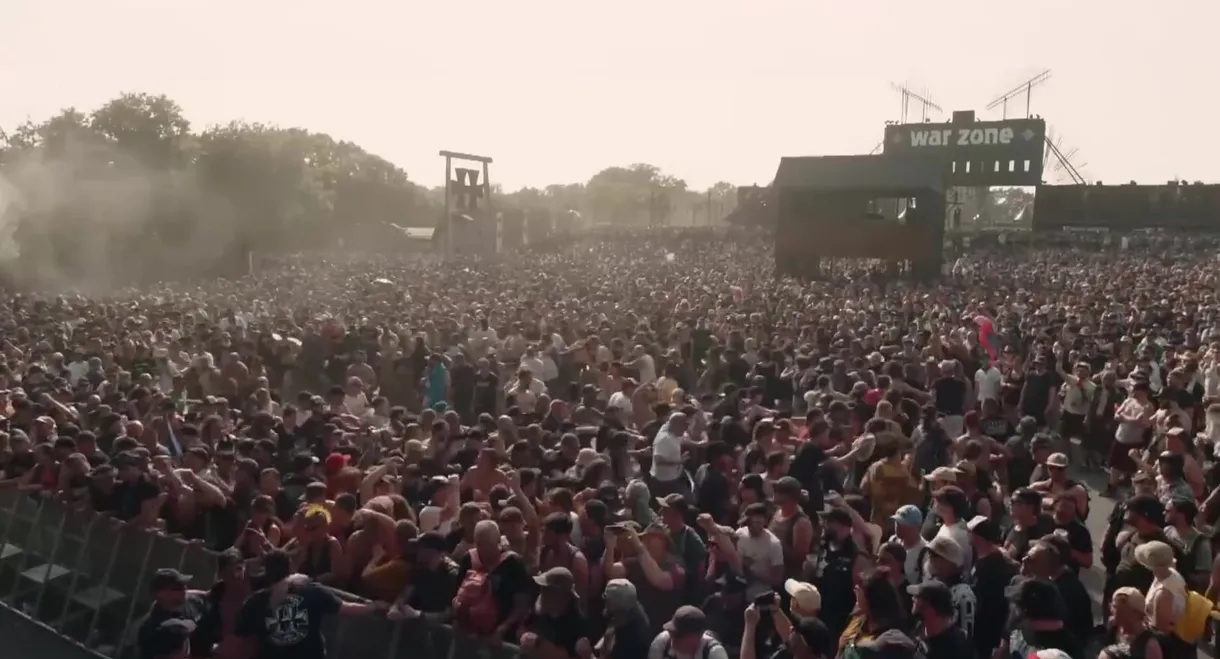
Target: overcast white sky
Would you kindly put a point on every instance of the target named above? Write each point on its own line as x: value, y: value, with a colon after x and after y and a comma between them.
x: 706, y: 89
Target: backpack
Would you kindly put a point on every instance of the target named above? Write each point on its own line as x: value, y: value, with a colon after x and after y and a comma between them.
x: 1181, y: 558
x: 1088, y: 499
x: 1184, y: 554
x: 1193, y: 623
x: 923, y: 555
x: 475, y: 608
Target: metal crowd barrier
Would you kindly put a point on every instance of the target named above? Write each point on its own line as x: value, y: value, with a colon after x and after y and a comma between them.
x: 81, y: 582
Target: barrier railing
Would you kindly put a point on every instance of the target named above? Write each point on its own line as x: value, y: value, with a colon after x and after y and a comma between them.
x: 83, y: 579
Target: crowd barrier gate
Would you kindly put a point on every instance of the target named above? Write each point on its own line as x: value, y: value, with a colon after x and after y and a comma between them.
x: 74, y: 584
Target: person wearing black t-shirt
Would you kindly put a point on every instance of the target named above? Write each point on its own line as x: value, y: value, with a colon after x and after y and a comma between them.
x: 1068, y: 525
x: 433, y: 583
x: 557, y: 623
x: 991, y: 576
x: 949, y: 396
x: 806, y: 467
x: 136, y: 497
x: 938, y: 636
x: 21, y: 459
x: 993, y: 423
x: 171, y: 600
x: 511, y: 585
x: 1036, y: 393
x: 284, y: 620
x: 1046, y: 560
x: 628, y: 632
x: 486, y: 393
x: 169, y: 640
x: 737, y: 368
x: 1039, y: 624
x: 1028, y: 523
x: 462, y: 378
x: 714, y: 492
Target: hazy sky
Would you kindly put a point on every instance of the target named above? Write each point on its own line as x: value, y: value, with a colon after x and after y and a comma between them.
x: 708, y: 90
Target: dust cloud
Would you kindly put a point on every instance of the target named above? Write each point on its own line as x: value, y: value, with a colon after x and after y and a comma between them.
x: 90, y: 218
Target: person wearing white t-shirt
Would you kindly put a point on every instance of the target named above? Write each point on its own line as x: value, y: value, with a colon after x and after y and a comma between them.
x: 527, y: 389
x: 762, y: 554
x: 668, y: 473
x: 604, y: 354
x: 1078, y: 394
x: 483, y: 338
x: 686, y: 636
x: 532, y: 363
x: 908, y: 521
x: 353, y: 397
x: 987, y: 382
x: 643, y: 362
x: 621, y: 399
x: 951, y: 505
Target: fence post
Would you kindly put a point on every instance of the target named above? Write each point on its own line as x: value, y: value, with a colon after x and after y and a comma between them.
x: 76, y: 572
x: 8, y: 526
x: 394, y: 640
x: 46, y: 575
x: 24, y: 560
x: 135, y: 594
x: 106, y: 575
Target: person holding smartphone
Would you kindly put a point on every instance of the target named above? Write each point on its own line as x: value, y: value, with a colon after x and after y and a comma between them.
x: 807, y: 638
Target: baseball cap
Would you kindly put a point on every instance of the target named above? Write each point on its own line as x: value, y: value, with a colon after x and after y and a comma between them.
x: 815, y: 635
x: 303, y: 460
x: 985, y: 528
x: 620, y: 595
x: 337, y: 461
x: 228, y: 558
x: 169, y: 578
x: 908, y: 515
x: 1038, y: 599
x: 432, y: 540
x: 942, y: 475
x: 126, y: 459
x: 1149, y: 507
x: 1057, y: 460
x: 804, y: 594
x: 557, y: 578
x: 935, y: 594
x: 687, y: 620
x: 787, y: 485
x: 675, y: 501
x: 1027, y: 497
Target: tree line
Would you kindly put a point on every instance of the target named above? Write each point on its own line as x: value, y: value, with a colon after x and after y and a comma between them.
x: 83, y: 186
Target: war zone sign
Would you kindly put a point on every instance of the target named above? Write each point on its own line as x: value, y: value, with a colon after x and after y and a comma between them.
x: 977, y: 153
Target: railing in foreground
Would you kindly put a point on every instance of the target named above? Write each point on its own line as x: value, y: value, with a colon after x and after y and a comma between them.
x: 75, y: 584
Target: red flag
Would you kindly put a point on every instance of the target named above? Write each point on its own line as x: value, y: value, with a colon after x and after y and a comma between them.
x: 987, y: 335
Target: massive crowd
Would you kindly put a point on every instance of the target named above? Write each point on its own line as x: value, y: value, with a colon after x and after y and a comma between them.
x: 647, y: 446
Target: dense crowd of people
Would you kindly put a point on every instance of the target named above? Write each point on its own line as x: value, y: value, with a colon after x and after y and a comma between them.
x: 648, y: 446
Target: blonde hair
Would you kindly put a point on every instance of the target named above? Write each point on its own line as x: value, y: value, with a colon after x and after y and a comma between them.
x: 314, y: 511
x: 1132, y: 597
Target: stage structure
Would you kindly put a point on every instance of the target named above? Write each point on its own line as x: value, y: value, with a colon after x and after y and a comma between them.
x: 882, y: 207
x: 469, y: 225
x: 1175, y: 206
x: 976, y: 153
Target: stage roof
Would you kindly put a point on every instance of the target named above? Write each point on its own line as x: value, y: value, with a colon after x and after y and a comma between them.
x: 881, y: 172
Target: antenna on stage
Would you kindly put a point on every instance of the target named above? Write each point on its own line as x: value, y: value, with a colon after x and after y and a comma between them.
x: 1063, y: 160
x: 1026, y: 88
x: 921, y: 99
